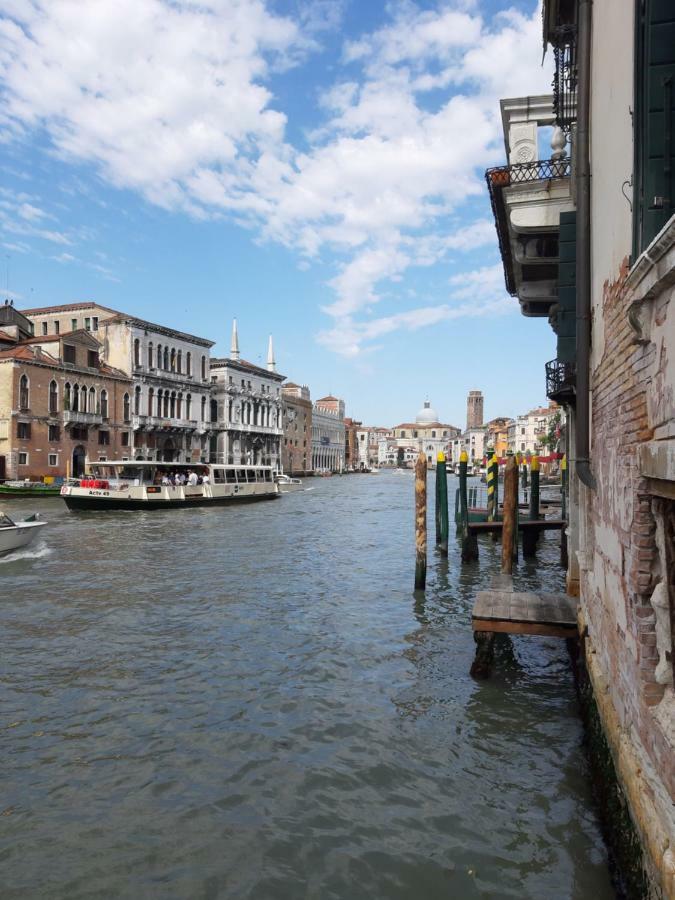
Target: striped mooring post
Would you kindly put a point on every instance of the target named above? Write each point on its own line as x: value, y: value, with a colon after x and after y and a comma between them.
x: 442, y: 504
x: 421, y: 522
x: 491, y: 484
x: 563, y: 512
x: 469, y: 541
x: 531, y: 538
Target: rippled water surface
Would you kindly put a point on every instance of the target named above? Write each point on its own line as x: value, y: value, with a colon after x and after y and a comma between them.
x: 250, y: 703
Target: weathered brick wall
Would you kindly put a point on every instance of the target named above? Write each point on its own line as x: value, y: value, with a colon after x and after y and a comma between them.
x: 622, y: 560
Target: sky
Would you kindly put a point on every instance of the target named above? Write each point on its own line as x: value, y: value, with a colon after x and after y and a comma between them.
x: 313, y: 167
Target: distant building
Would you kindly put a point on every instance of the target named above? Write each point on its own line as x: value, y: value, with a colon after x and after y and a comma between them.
x: 473, y: 441
x: 296, y: 448
x: 529, y: 433
x: 247, y: 409
x: 497, y: 436
x: 474, y: 410
x: 426, y: 434
x: 328, y: 435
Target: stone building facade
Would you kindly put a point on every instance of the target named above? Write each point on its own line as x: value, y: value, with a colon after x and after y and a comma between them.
x: 474, y: 410
x: 296, y: 449
x: 247, y: 418
x: 171, y: 409
x: 599, y: 257
x: 328, y: 435
x: 60, y: 405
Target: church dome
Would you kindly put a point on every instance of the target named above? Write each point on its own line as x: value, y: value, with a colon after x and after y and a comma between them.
x: 427, y: 415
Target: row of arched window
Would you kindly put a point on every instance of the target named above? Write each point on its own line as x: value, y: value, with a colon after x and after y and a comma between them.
x: 254, y: 413
x: 76, y: 398
x: 167, y: 359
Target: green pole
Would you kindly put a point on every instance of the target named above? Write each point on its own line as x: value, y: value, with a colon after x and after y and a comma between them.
x: 530, y: 538
x: 437, y: 507
x: 442, y: 500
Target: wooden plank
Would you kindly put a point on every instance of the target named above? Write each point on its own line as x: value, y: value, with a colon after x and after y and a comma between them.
x: 523, y: 525
x: 527, y: 628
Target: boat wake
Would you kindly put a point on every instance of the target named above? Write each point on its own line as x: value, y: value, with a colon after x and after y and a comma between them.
x: 39, y: 551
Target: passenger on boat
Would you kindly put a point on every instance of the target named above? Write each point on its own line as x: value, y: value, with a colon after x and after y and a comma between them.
x: 193, y: 480
x: 205, y: 478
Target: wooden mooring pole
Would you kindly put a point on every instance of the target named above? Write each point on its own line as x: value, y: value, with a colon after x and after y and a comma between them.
x: 510, y: 509
x: 442, y: 503
x: 421, y: 522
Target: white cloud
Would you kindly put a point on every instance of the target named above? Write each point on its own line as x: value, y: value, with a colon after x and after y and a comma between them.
x: 174, y: 99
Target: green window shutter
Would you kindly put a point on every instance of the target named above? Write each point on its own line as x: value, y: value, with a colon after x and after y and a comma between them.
x: 654, y: 119
x: 566, y: 315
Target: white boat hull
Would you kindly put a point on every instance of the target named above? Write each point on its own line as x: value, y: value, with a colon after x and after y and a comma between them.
x: 17, y: 536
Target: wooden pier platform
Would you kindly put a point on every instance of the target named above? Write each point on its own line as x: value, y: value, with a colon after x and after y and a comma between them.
x: 506, y: 611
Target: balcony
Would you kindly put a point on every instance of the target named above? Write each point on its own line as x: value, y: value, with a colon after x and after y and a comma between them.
x: 74, y: 417
x: 560, y: 381
x: 528, y: 196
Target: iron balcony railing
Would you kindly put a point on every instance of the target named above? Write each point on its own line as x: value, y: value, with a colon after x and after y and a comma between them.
x: 560, y: 380
x: 564, y: 41
x: 500, y: 177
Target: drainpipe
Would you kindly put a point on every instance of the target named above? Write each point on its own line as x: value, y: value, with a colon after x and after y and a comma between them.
x: 583, y: 268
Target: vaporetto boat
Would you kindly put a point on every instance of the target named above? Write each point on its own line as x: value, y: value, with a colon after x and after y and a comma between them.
x: 161, y: 485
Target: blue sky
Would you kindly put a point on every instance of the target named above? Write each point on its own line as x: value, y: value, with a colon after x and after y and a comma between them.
x: 312, y: 167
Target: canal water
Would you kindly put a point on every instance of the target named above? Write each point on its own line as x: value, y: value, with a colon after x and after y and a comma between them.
x: 251, y: 703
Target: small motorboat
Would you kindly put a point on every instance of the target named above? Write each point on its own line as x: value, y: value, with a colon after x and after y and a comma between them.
x: 14, y: 535
x: 287, y: 485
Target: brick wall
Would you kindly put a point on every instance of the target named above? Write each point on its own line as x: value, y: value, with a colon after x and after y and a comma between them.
x: 622, y: 559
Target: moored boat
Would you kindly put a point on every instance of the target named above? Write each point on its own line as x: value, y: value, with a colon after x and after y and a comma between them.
x: 131, y: 484
x: 29, y: 489
x: 15, y: 535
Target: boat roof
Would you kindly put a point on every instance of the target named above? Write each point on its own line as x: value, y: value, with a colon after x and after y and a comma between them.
x: 171, y: 465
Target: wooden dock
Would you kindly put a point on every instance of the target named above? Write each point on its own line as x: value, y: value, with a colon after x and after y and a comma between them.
x: 503, y: 610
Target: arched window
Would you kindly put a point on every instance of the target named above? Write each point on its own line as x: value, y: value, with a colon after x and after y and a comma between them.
x: 160, y: 397
x: 188, y: 406
x: 173, y: 359
x: 137, y: 401
x: 214, y: 410
x: 83, y: 398
x: 66, y: 395
x: 76, y: 398
x: 179, y: 407
x: 173, y: 404
x: 24, y: 392
x: 203, y: 409
x: 433, y: 434
x: 151, y: 361
x: 203, y: 368
x: 166, y: 404
x: 166, y: 359
x: 188, y: 363
x: 137, y: 352
x: 180, y: 362
x: 104, y: 404
x: 127, y: 408
x: 151, y: 402
x: 159, y: 356
x: 53, y: 397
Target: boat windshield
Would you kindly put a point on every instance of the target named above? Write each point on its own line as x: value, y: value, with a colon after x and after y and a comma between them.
x: 6, y: 522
